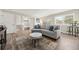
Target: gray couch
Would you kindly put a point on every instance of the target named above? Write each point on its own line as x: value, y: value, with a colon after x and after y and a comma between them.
x: 55, y: 33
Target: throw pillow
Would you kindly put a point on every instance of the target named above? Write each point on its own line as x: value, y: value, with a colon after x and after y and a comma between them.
x: 51, y: 28
x: 56, y: 27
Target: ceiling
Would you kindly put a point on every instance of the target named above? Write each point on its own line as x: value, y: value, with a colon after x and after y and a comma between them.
x: 38, y: 12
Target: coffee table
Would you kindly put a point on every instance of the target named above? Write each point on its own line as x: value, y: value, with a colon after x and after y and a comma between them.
x: 35, y: 38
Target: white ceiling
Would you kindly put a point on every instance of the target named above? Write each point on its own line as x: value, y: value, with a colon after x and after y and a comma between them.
x: 38, y: 12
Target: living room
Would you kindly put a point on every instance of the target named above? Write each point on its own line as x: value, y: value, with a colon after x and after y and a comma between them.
x: 40, y: 29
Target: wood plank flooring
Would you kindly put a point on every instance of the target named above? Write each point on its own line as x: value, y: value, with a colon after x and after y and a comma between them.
x: 21, y: 41
x: 68, y: 42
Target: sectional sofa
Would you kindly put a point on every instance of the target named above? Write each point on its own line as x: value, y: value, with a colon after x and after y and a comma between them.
x: 51, y: 31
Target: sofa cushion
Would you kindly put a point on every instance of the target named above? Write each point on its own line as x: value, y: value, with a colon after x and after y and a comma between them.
x: 56, y: 27
x: 51, y: 28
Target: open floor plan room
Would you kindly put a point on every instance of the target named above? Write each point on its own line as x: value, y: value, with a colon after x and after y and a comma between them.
x: 39, y: 29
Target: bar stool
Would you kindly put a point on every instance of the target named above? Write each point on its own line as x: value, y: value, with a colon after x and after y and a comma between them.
x: 2, y: 39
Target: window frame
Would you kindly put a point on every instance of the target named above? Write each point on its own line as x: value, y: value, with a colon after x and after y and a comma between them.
x: 64, y: 16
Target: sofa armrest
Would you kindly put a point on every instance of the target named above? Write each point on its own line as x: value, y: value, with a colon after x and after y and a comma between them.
x: 58, y: 33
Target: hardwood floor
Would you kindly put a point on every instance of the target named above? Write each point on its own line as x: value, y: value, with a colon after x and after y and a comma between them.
x: 68, y: 42
x: 21, y: 41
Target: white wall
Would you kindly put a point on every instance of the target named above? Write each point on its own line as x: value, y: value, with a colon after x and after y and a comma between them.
x: 10, y: 20
x: 19, y: 19
x: 1, y: 17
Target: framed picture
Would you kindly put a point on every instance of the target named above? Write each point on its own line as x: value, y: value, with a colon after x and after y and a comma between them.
x: 37, y: 20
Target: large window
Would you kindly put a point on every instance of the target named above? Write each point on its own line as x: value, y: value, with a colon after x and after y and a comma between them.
x: 59, y: 20
x: 50, y: 21
x: 68, y: 19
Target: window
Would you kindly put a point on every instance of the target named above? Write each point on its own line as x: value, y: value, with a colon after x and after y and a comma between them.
x: 68, y: 19
x: 50, y: 21
x: 59, y: 20
x: 26, y: 22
